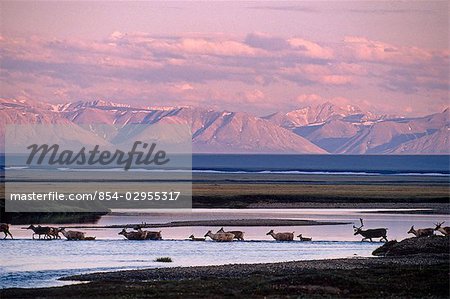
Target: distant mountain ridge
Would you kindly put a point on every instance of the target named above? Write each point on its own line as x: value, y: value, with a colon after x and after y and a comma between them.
x: 320, y: 129
x: 322, y: 113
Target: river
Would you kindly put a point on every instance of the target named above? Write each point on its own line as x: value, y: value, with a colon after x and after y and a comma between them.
x: 38, y: 263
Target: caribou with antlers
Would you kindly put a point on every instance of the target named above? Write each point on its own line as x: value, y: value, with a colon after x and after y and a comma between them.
x: 370, y: 233
x: 421, y: 232
x: 444, y: 230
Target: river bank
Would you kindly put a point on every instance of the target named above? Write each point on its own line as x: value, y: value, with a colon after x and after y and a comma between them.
x: 274, y: 191
x: 407, y: 276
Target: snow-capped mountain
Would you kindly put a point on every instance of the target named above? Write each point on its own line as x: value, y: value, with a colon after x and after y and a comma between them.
x: 321, y: 129
x: 350, y: 130
x: 212, y: 131
x: 314, y: 115
x: 390, y: 135
x: 88, y: 104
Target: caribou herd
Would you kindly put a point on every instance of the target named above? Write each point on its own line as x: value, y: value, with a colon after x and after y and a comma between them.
x: 51, y: 233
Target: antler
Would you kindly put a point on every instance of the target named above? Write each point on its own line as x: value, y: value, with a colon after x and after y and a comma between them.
x: 362, y: 224
x: 137, y: 227
x: 439, y: 223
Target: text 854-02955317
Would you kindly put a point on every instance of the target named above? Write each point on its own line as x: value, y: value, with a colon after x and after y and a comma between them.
x: 153, y: 195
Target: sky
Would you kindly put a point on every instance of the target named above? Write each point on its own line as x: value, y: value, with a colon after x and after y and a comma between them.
x: 260, y: 57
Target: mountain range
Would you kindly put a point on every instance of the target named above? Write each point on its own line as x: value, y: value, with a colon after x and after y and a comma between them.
x: 321, y: 129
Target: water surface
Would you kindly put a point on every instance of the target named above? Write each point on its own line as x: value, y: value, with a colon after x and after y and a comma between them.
x: 28, y: 263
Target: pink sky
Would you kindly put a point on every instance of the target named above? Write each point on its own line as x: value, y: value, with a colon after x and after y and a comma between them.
x: 259, y: 57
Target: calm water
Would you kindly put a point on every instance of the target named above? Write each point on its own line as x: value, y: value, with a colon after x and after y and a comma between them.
x: 27, y: 263
x: 372, y: 164
x: 319, y: 164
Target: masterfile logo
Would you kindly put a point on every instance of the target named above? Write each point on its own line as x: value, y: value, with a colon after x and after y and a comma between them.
x: 148, y: 156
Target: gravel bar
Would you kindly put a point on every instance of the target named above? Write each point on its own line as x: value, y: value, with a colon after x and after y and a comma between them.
x: 244, y: 270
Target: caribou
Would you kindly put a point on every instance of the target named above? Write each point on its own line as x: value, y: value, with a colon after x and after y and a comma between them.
x: 193, y: 238
x: 370, y: 233
x: 303, y: 239
x: 54, y: 233
x: 281, y: 236
x: 139, y: 235
x: 220, y: 237
x: 41, y: 230
x: 239, y: 235
x: 4, y: 228
x: 149, y: 235
x: 72, y: 234
x: 421, y: 232
x: 443, y: 230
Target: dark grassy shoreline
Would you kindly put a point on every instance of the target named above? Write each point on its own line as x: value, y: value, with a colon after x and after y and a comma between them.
x: 415, y: 276
x: 272, y: 191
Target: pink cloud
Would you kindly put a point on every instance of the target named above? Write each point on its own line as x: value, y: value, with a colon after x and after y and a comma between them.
x: 320, y: 74
x: 254, y: 95
x: 257, y: 69
x: 311, y: 49
x: 315, y: 99
x: 336, y: 79
x: 225, y: 48
x: 376, y: 51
